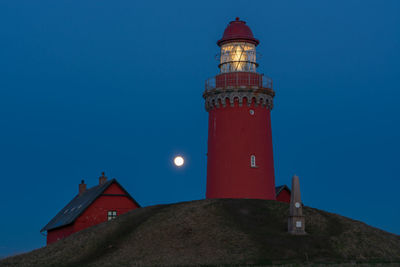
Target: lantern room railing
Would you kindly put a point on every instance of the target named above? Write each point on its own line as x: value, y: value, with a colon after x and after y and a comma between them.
x: 238, y: 80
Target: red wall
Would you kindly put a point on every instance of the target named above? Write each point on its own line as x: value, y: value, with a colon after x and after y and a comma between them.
x: 96, y: 213
x: 284, y: 196
x: 60, y: 233
x: 238, y: 78
x: 233, y: 136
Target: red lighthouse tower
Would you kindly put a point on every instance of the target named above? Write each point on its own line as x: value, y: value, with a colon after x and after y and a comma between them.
x: 239, y: 100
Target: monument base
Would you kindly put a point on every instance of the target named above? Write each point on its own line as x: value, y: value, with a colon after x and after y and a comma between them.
x: 296, y: 225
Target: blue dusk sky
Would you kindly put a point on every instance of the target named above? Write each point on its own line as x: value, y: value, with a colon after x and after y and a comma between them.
x: 116, y: 86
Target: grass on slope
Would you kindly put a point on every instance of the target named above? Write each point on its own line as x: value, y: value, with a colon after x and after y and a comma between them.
x: 217, y: 232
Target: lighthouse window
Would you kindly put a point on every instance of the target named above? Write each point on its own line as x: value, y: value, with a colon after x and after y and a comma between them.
x: 111, y: 214
x: 253, y: 161
x: 238, y: 56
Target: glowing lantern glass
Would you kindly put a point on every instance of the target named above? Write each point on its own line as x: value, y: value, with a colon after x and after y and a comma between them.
x: 238, y: 56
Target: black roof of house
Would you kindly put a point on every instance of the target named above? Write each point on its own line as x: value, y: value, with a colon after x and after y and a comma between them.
x: 278, y: 189
x: 79, y: 204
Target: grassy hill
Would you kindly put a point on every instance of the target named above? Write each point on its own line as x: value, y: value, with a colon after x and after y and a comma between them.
x: 218, y: 232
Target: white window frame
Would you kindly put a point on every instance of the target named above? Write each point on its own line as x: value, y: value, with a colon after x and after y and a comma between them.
x: 111, y: 215
x: 253, y: 161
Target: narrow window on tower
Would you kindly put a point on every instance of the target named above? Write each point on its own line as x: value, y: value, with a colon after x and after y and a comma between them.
x: 252, y: 161
x: 111, y: 214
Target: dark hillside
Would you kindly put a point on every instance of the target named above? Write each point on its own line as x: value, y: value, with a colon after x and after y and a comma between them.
x: 217, y: 232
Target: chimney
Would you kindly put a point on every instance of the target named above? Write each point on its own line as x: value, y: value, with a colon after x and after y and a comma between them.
x: 102, y: 179
x: 82, y: 187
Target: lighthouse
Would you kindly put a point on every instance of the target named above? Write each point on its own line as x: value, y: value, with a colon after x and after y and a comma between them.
x: 239, y: 101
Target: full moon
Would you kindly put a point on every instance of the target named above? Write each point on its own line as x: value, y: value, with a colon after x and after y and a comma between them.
x: 179, y: 161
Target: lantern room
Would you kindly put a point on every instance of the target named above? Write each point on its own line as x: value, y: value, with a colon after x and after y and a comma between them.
x: 238, y: 48
x: 238, y: 56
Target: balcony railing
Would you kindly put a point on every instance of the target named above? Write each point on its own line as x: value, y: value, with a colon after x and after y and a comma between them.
x: 238, y: 80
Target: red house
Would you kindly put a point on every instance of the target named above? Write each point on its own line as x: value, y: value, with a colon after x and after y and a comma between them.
x: 90, y: 207
x: 283, y: 193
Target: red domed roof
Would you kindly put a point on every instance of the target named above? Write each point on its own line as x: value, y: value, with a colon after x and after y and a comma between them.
x: 237, y: 30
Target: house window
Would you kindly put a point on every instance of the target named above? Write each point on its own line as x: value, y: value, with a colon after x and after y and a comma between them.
x: 111, y: 214
x: 253, y: 161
